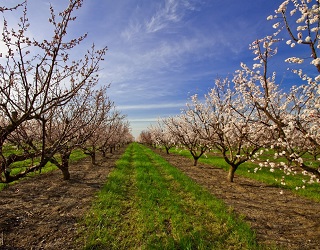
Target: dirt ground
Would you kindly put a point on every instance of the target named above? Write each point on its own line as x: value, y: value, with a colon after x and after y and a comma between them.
x: 43, y: 213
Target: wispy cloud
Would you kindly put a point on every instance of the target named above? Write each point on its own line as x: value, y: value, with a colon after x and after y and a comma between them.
x: 169, y: 13
x: 134, y: 27
x: 164, y: 15
x: 163, y: 56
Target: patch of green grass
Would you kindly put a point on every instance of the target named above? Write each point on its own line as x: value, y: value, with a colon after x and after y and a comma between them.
x: 18, y: 167
x: 148, y: 204
x: 111, y: 222
x: 77, y: 155
x: 312, y: 191
x: 10, y: 149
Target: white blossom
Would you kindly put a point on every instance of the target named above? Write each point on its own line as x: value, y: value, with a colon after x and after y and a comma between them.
x: 292, y: 12
x: 270, y: 17
x: 257, y: 65
x: 300, y: 20
x: 276, y: 25
x: 294, y: 60
x: 316, y: 61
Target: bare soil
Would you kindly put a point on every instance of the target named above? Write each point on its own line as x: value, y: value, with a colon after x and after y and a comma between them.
x: 44, y: 212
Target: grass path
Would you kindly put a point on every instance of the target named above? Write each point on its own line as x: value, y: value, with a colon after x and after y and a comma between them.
x: 148, y: 204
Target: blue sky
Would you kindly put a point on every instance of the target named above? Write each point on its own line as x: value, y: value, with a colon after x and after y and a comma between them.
x: 162, y: 51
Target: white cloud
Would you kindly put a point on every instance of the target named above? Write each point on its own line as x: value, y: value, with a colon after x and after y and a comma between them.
x: 133, y: 28
x: 143, y: 61
x: 169, y: 13
x: 162, y: 15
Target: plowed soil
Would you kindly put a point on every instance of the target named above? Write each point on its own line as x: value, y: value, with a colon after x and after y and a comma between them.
x: 44, y: 212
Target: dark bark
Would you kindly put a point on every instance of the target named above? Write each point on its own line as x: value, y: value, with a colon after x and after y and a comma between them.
x: 195, y: 163
x: 231, y: 172
x: 310, y: 170
x: 92, y: 154
x: 65, y: 173
x: 93, y: 158
x: 5, y: 165
x: 167, y: 150
x: 64, y: 165
x: 197, y: 156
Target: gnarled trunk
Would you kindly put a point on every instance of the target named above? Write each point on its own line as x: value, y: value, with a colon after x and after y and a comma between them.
x: 64, y: 167
x: 65, y: 173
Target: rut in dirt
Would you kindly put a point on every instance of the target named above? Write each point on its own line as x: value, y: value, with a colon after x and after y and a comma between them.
x: 282, y: 220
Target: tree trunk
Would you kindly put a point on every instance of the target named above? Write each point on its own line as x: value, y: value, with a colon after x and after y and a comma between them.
x: 195, y: 161
x: 104, y: 154
x: 93, y: 158
x: 7, y: 177
x: 65, y: 173
x: 167, y: 150
x: 232, y: 170
x: 65, y: 165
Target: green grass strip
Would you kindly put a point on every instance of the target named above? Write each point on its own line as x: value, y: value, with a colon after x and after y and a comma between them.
x: 148, y: 204
x: 112, y: 222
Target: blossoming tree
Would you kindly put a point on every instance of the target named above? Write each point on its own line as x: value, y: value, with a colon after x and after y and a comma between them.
x: 36, y: 77
x: 74, y: 123
x: 229, y: 125
x: 294, y: 114
x: 162, y: 136
x: 186, y: 130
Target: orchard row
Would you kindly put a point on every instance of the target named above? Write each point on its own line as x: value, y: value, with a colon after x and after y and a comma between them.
x: 50, y: 103
x: 245, y: 115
